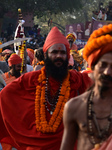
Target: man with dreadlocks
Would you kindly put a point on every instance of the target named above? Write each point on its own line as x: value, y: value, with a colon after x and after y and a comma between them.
x: 88, y: 117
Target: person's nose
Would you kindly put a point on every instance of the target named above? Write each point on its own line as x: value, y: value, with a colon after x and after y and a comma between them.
x: 108, y: 70
x: 59, y: 55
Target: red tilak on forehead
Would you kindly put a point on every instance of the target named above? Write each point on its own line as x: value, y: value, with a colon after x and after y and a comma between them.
x: 59, y: 48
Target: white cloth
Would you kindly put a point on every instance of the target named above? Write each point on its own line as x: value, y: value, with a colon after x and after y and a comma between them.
x: 100, y: 16
x: 29, y: 68
x: 87, y: 32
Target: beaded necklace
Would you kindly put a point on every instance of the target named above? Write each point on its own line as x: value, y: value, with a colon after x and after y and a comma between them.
x: 48, y: 98
x: 91, y: 118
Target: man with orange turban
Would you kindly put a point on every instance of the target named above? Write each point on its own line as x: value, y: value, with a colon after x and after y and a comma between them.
x: 14, y: 63
x: 31, y: 107
x: 93, y: 127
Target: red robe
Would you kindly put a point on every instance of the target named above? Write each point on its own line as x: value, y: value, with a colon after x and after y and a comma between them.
x: 17, y: 112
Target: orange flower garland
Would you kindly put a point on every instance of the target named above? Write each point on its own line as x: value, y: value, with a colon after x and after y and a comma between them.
x: 41, y: 123
x: 40, y: 63
x: 98, y: 39
x: 22, y: 48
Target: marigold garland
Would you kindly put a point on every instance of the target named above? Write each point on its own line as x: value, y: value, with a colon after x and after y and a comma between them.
x: 41, y: 63
x: 97, y: 39
x: 21, y: 49
x: 41, y: 123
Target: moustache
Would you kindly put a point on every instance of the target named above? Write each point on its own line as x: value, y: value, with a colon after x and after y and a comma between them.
x: 106, y: 77
x: 59, y: 59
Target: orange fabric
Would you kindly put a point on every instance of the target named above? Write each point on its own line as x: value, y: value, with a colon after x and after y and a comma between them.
x: 54, y: 37
x: 96, y: 55
x: 9, y: 78
x: 14, y: 59
x: 17, y: 111
x: 6, y: 146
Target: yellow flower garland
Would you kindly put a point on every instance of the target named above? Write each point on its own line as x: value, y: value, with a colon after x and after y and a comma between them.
x: 41, y: 123
x: 22, y: 49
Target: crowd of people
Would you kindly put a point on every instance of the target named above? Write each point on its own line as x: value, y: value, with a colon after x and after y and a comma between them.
x: 104, y: 13
x: 54, y: 96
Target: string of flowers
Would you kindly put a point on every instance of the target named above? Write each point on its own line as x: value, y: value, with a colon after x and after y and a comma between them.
x: 41, y: 122
x: 22, y: 49
x: 98, y: 39
x: 41, y: 63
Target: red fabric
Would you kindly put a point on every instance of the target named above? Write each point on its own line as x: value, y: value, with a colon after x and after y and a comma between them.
x: 74, y: 47
x: 30, y: 54
x: 6, y: 146
x: 106, y: 145
x: 14, y: 59
x: 54, y: 37
x: 17, y: 112
x: 96, y: 55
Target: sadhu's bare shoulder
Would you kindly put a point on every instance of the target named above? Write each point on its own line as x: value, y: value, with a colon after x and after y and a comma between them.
x: 77, y: 103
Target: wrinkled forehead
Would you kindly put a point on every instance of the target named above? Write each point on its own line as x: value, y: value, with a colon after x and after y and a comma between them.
x: 58, y: 46
x: 106, y: 57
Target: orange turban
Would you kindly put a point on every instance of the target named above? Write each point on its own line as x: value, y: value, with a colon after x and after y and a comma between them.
x: 14, y: 59
x: 99, y: 43
x: 55, y: 37
x: 71, y: 35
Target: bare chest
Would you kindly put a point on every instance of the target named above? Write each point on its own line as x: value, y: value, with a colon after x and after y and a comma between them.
x: 96, y: 127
